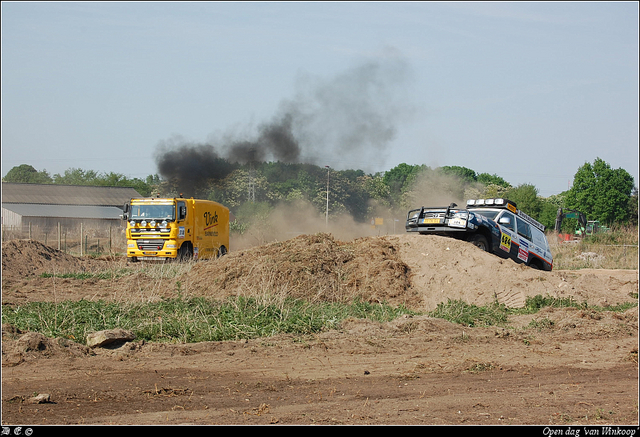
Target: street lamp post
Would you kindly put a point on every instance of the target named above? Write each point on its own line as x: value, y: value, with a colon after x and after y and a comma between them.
x: 326, y: 216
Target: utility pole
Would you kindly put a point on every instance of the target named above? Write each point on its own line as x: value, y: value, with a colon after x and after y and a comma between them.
x: 252, y: 188
x: 326, y: 217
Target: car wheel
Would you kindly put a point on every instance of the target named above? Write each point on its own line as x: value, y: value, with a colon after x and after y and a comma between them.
x: 480, y: 241
x: 534, y: 266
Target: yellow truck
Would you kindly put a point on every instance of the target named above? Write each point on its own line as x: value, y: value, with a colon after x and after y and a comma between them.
x: 175, y: 228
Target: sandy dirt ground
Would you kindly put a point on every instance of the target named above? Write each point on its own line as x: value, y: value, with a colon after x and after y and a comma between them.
x: 575, y: 366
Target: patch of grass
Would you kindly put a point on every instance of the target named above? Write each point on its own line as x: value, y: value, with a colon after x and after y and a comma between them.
x: 458, y: 311
x: 197, y: 319
x: 480, y: 367
x: 167, y: 270
x: 536, y: 303
x: 615, y: 308
x: 190, y: 320
x: 109, y: 274
x: 541, y: 324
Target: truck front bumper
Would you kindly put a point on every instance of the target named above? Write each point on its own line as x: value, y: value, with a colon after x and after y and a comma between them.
x: 435, y: 229
x: 151, y: 253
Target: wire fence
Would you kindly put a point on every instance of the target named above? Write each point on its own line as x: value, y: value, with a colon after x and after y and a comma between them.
x: 77, y: 239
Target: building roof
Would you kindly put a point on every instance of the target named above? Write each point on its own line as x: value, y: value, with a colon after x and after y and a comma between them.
x: 54, y: 194
x: 65, y: 211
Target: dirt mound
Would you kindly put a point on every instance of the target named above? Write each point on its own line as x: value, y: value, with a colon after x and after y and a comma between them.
x: 444, y: 268
x: 313, y: 267
x: 418, y: 271
x: 21, y: 258
x: 18, y: 346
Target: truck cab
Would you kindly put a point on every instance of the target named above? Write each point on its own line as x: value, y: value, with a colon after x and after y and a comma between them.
x: 175, y: 228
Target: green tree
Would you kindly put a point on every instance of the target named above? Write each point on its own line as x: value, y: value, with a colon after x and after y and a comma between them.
x: 526, y: 197
x: 465, y: 174
x: 76, y: 176
x: 601, y: 192
x: 350, y: 191
x: 548, y: 212
x: 26, y: 174
x: 377, y: 190
x: 400, y: 178
x: 487, y: 179
x: 633, y: 207
x: 493, y: 191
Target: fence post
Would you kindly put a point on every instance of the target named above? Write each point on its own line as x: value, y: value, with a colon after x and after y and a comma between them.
x: 29, y: 230
x: 81, y: 239
x: 59, y: 235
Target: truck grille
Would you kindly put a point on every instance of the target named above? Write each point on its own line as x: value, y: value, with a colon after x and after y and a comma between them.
x: 149, y: 232
x: 157, y: 244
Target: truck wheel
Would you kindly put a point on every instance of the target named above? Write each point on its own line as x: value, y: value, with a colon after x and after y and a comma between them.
x: 222, y: 251
x: 480, y: 241
x: 184, y: 253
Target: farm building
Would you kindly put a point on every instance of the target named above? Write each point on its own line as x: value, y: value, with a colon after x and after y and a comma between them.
x: 50, y: 207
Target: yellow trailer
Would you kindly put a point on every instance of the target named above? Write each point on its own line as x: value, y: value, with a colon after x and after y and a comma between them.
x: 169, y: 228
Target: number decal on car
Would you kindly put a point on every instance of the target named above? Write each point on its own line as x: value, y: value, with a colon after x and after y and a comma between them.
x: 505, y: 242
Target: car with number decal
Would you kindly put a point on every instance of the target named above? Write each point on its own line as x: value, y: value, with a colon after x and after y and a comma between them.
x: 494, y: 225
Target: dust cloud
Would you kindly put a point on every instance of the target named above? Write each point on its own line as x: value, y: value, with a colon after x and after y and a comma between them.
x: 289, y: 220
x: 300, y: 217
x: 435, y: 188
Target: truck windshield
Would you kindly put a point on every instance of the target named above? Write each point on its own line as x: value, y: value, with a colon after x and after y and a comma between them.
x: 488, y: 213
x: 146, y: 212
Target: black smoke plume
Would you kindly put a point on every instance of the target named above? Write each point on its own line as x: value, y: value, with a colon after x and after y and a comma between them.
x: 275, y: 140
x: 346, y: 122
x: 189, y: 166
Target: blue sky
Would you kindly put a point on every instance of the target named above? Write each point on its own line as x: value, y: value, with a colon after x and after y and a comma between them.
x: 528, y: 91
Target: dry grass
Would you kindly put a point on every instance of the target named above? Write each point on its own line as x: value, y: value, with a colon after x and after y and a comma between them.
x: 616, y: 249
x: 316, y: 268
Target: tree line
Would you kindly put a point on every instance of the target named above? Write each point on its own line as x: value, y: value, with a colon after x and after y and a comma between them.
x: 26, y: 174
x: 601, y: 192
